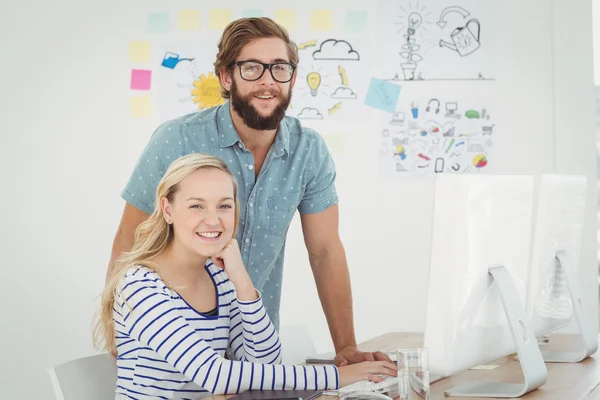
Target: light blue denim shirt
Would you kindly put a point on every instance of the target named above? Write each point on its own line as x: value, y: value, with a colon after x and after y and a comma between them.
x: 298, y: 173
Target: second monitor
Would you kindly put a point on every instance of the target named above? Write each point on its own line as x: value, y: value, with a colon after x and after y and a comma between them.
x: 479, y: 270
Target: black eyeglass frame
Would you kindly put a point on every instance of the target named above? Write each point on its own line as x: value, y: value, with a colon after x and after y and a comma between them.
x: 265, y: 67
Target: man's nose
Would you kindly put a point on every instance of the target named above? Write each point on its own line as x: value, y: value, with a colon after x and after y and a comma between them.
x: 267, y: 78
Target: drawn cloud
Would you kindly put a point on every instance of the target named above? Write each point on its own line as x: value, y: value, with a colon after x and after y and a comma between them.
x: 332, y: 49
x: 343, y: 93
x: 475, y: 148
x: 310, y: 113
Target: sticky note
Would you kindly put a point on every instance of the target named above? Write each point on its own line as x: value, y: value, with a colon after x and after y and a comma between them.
x: 188, y: 20
x: 286, y: 18
x: 320, y: 20
x: 336, y: 143
x: 219, y: 18
x: 382, y: 95
x: 485, y: 366
x: 140, y: 106
x: 139, y: 51
x: 159, y: 22
x: 140, y: 79
x: 253, y: 12
x: 356, y: 21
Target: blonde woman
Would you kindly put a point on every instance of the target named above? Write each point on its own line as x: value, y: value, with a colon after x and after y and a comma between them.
x: 181, y: 299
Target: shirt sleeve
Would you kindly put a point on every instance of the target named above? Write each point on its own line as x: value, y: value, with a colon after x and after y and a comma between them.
x: 253, y: 336
x: 164, y: 147
x: 320, y: 191
x: 151, y: 317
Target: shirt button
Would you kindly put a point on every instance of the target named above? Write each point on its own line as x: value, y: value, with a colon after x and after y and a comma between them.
x: 251, y: 205
x: 250, y: 167
x: 247, y: 240
x: 239, y: 144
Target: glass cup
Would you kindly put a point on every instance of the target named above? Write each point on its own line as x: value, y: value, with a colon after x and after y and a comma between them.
x: 413, y: 374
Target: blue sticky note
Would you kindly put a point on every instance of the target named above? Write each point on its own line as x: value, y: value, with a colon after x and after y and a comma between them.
x: 159, y: 22
x: 356, y: 21
x: 252, y: 12
x: 382, y: 95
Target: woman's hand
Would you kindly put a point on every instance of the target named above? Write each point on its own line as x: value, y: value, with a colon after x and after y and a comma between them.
x: 230, y: 259
x: 366, y: 370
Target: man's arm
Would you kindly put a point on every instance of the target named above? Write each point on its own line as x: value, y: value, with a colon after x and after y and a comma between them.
x: 125, y: 236
x: 330, y: 269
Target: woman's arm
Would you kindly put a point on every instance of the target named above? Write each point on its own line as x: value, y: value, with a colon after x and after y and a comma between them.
x: 150, y: 317
x: 253, y: 336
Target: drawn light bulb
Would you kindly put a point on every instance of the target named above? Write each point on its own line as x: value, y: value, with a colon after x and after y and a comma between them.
x: 314, y: 80
x: 414, y: 21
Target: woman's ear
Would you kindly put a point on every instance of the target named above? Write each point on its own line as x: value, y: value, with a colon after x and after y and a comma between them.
x: 166, y: 210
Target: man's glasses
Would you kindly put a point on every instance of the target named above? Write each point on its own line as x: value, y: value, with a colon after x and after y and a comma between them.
x: 282, y: 72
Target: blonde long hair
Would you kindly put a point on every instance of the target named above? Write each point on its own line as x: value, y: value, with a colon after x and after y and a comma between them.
x: 152, y: 237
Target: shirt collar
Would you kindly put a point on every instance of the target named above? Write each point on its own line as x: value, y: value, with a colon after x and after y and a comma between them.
x: 228, y: 136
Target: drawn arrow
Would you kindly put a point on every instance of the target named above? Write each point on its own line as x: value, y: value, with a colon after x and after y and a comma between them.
x: 310, y: 43
x: 342, y: 72
x: 442, y: 23
x: 456, y: 167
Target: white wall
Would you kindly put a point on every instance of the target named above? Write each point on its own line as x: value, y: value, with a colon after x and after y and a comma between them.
x: 68, y: 146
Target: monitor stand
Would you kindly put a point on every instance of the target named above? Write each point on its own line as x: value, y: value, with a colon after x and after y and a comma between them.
x: 588, y: 343
x: 530, y: 357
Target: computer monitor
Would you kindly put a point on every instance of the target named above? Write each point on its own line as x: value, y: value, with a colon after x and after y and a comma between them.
x: 553, y: 284
x: 474, y: 316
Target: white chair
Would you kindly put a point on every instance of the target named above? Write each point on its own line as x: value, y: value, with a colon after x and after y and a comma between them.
x: 296, y: 344
x: 90, y: 378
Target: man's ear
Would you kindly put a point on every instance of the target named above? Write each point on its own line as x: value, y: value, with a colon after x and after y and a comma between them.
x: 226, y: 78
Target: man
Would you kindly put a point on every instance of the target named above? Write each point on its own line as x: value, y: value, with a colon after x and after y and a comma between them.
x: 280, y: 167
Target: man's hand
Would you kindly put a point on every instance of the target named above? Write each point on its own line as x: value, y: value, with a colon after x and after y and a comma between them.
x: 351, y: 355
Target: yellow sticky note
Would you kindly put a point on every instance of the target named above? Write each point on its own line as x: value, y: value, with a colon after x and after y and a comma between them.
x: 139, y: 51
x: 485, y: 366
x: 320, y: 20
x: 336, y: 143
x: 219, y: 18
x: 286, y: 18
x: 140, y: 106
x: 188, y: 20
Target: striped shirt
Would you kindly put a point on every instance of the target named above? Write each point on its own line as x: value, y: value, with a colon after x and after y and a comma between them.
x: 168, y: 350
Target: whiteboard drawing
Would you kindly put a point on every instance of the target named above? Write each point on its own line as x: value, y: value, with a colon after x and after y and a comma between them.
x: 432, y: 139
x: 330, y: 80
x: 437, y: 40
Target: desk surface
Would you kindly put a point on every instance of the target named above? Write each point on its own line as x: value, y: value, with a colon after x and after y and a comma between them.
x: 565, y: 381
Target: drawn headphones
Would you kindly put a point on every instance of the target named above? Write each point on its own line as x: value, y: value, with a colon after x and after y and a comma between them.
x: 437, y: 109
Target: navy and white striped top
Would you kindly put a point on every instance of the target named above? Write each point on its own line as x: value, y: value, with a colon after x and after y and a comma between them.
x: 167, y: 349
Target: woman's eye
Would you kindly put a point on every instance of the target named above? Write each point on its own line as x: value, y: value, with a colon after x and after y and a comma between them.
x: 226, y: 206
x: 196, y: 206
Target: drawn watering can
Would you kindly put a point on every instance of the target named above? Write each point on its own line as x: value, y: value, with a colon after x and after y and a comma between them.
x: 464, y: 40
x: 171, y: 60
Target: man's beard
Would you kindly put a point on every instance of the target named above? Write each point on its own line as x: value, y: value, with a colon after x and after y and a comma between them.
x: 250, y: 115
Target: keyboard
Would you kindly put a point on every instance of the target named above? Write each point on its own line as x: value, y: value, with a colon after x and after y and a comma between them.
x: 389, y: 383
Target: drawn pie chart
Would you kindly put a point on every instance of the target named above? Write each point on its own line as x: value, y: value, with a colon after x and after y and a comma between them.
x: 401, y: 152
x: 480, y: 161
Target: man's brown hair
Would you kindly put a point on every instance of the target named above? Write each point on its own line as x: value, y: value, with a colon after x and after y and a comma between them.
x: 241, y: 32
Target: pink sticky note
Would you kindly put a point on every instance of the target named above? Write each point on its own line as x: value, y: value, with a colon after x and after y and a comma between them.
x: 140, y: 79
